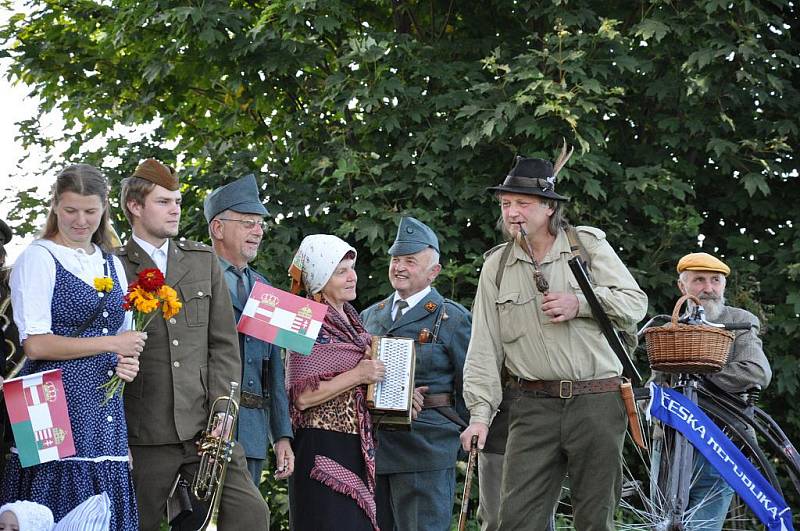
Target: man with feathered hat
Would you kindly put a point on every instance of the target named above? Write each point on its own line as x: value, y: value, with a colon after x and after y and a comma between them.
x: 531, y: 321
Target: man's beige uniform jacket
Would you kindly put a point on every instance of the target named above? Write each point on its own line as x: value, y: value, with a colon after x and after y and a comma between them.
x: 509, y: 327
x: 189, y: 360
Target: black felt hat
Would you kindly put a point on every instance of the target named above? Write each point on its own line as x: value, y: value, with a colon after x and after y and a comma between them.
x: 530, y: 176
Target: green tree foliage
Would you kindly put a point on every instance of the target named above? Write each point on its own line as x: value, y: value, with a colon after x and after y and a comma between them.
x: 683, y: 114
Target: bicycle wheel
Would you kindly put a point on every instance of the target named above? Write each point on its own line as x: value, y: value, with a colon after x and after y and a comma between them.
x: 645, y: 506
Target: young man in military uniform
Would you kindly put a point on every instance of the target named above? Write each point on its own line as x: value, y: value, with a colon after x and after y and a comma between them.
x: 188, y: 361
x: 567, y: 415
x: 415, y: 482
x: 235, y: 219
x: 705, y: 276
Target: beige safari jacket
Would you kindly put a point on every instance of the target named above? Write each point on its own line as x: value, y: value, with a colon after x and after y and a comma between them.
x: 509, y: 327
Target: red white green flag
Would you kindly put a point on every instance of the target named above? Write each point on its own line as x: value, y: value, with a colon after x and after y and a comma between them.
x: 282, y: 318
x: 37, y: 409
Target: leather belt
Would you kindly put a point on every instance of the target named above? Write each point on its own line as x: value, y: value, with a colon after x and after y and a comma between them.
x: 437, y: 400
x: 443, y: 404
x: 251, y: 400
x: 567, y: 388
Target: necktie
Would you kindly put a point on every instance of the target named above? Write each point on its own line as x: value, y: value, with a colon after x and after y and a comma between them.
x: 241, y: 292
x: 399, y: 305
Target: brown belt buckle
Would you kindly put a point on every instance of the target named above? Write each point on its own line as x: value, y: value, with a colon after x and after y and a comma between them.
x: 565, y: 385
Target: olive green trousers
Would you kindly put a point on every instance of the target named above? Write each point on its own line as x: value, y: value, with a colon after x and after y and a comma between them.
x: 550, y: 438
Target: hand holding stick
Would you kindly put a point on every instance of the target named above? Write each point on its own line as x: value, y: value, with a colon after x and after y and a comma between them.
x: 473, y: 456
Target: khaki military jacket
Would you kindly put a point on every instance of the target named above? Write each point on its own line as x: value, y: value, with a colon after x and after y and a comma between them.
x: 509, y: 328
x: 189, y: 360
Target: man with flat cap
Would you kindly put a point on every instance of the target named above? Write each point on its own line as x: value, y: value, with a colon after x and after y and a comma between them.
x: 235, y: 217
x: 532, y: 322
x: 705, y: 276
x: 415, y: 482
x: 188, y: 360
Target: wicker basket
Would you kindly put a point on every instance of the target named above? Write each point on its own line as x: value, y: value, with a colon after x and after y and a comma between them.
x: 687, y: 348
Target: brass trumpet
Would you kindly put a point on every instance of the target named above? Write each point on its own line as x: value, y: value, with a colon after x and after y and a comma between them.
x: 215, y: 454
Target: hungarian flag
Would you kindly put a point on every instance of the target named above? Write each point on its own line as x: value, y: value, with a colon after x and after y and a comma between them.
x: 37, y: 409
x: 281, y: 318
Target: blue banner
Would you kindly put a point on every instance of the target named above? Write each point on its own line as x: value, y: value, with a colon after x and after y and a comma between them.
x: 672, y: 408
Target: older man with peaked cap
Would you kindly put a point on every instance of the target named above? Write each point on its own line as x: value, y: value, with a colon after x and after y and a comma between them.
x: 188, y: 360
x: 415, y: 482
x: 235, y: 217
x: 705, y: 277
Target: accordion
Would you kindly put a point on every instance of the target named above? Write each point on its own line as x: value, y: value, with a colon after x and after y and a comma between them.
x: 391, y: 401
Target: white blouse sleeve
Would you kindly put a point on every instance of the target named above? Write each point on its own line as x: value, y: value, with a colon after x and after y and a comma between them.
x: 127, y: 323
x: 33, y: 278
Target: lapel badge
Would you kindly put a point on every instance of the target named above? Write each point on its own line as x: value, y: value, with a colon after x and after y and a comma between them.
x: 431, y: 306
x: 381, y: 305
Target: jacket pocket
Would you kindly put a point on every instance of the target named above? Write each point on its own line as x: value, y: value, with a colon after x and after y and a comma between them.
x: 515, y: 312
x: 196, y: 302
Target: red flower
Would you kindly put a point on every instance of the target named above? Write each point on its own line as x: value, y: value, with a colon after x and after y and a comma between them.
x: 151, y: 279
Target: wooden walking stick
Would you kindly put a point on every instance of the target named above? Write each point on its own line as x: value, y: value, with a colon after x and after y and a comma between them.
x: 473, y: 456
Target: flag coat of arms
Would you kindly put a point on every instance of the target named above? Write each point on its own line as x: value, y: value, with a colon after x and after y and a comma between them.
x: 37, y: 410
x: 281, y: 318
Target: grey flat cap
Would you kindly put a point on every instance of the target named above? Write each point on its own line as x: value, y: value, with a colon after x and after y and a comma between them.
x: 412, y: 237
x: 240, y: 196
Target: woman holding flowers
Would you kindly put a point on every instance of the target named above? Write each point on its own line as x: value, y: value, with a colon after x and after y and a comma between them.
x: 333, y: 486
x: 67, y: 294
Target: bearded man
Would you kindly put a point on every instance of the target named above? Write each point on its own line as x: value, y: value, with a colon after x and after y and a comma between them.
x: 704, y: 276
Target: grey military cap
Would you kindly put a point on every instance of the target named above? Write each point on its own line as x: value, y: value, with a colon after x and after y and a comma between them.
x: 240, y: 196
x: 412, y: 237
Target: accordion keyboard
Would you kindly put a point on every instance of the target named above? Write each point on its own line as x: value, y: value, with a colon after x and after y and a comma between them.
x: 393, y: 391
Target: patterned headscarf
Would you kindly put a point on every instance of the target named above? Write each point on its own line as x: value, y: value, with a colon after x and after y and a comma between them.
x: 30, y: 515
x: 316, y: 260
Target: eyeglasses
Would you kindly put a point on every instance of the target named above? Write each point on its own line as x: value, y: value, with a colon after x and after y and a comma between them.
x: 248, y: 224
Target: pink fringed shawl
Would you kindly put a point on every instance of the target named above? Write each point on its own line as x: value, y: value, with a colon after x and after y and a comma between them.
x: 348, y: 342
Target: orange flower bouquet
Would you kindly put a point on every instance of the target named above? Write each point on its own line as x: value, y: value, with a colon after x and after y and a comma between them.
x: 146, y: 296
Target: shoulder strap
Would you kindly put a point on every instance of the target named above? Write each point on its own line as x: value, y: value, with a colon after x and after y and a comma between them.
x: 498, y: 279
x: 578, y: 250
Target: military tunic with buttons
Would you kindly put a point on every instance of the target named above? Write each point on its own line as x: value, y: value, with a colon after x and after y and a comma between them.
x: 257, y: 426
x: 432, y: 443
x: 189, y: 360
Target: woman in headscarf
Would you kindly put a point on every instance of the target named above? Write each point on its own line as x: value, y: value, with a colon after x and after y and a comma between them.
x: 333, y: 486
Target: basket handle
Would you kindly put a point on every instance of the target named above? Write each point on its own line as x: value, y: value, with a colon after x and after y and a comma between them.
x: 679, y: 305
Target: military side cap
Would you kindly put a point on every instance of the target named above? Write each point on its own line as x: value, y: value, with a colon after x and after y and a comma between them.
x: 240, y: 196
x: 702, y: 262
x: 530, y: 176
x: 158, y: 173
x: 412, y: 237
x: 5, y: 233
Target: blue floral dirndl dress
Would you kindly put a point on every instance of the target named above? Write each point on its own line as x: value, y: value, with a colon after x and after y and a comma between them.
x: 100, y: 432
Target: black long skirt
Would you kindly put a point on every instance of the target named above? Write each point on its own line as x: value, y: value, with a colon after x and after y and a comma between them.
x: 314, y: 506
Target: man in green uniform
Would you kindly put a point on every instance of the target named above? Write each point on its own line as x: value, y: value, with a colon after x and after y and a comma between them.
x: 567, y: 416
x: 188, y: 361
